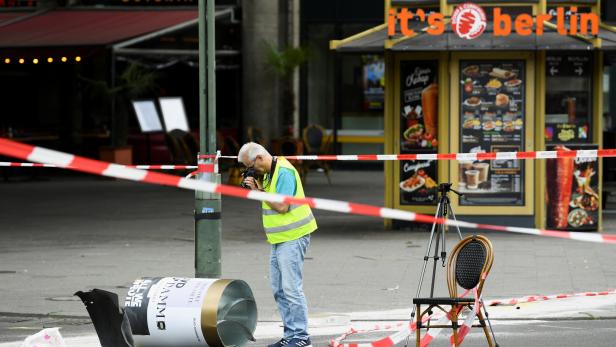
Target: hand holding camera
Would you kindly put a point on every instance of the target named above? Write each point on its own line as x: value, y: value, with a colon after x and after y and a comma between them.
x: 249, y: 180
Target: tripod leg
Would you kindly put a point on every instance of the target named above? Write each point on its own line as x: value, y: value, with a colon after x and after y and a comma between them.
x: 455, y: 219
x: 427, y: 256
x: 489, y: 323
x: 435, y: 260
x: 425, y: 264
x: 445, y: 229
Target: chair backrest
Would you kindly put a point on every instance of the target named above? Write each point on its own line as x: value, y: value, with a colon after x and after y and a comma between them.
x: 290, y: 146
x: 469, y: 264
x: 183, y: 146
x: 229, y: 146
x: 314, y: 138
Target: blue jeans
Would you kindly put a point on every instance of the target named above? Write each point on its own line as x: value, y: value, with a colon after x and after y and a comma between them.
x: 286, y: 263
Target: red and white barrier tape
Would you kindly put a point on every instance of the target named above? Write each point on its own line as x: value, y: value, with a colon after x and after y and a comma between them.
x: 11, y: 164
x: 465, y: 328
x: 388, y: 341
x: 337, y: 342
x: 410, y: 328
x: 142, y: 167
x: 163, y: 167
x: 595, y: 153
x: 69, y: 161
x: 210, y: 156
x: 203, y: 168
x: 433, y: 333
x: 534, y: 298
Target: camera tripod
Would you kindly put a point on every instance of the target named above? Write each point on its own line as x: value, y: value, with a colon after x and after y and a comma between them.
x: 443, y: 209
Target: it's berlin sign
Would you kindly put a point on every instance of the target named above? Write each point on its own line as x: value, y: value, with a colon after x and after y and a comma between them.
x: 468, y: 21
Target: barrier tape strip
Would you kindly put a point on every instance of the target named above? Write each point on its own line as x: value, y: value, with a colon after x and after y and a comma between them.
x: 533, y: 298
x: 433, y: 333
x: 465, y: 328
x: 203, y: 168
x: 595, y: 153
x: 387, y: 341
x: 11, y: 164
x: 142, y: 167
x: 69, y: 161
x: 411, y: 328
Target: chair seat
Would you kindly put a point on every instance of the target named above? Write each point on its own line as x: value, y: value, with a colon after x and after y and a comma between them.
x: 442, y: 301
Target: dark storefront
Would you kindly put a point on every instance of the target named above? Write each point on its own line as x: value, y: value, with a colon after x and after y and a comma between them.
x: 59, y: 84
x: 342, y: 93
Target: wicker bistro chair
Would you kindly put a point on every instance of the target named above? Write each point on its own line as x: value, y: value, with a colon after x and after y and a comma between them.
x: 468, y: 266
x: 182, y: 146
x: 316, y: 142
x: 254, y: 134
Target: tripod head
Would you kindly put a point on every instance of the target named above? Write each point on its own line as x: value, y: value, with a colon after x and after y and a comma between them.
x: 445, y: 188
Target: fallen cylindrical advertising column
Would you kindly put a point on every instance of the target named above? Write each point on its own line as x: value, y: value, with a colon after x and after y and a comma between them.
x: 177, y: 311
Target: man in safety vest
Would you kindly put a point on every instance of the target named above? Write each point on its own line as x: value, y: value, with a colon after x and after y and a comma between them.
x: 288, y: 229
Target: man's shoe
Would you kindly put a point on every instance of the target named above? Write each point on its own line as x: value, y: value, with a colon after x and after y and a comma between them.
x: 281, y: 343
x: 299, y: 343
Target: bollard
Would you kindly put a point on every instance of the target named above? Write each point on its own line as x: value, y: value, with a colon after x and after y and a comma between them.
x: 177, y: 311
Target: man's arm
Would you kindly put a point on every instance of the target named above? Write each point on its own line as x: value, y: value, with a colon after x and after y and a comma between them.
x: 285, y: 186
x: 279, y: 207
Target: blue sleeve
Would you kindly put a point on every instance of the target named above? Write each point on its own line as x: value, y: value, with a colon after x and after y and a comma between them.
x: 286, y: 182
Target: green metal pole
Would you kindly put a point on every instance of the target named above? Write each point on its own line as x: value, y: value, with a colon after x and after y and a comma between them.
x: 211, y: 75
x: 207, y: 205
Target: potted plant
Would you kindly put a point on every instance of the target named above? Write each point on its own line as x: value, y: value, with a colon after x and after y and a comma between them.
x: 134, y: 82
x: 284, y: 63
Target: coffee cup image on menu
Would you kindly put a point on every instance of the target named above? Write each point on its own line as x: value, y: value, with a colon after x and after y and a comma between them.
x: 474, y: 175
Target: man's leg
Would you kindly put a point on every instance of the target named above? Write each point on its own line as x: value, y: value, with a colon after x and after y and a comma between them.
x: 281, y: 301
x: 291, y: 261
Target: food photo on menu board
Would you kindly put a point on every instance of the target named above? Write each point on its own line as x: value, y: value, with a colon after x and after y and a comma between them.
x: 573, y: 199
x: 492, y: 97
x: 418, y: 131
x: 419, y: 106
x: 418, y: 182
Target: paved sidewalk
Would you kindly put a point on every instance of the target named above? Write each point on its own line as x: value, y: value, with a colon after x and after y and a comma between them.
x: 78, y: 233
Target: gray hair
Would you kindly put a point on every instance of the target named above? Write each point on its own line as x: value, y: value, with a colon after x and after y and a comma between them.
x: 250, y: 150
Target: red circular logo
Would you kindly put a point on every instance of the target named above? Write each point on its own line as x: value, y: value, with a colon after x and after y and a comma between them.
x: 469, y: 21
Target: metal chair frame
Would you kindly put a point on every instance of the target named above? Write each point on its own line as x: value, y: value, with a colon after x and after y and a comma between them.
x: 456, y: 303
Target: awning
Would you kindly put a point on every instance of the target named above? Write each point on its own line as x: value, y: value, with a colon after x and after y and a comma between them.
x: 78, y: 27
x: 607, y: 34
x: 138, y: 46
x: 376, y: 40
x: 370, y: 41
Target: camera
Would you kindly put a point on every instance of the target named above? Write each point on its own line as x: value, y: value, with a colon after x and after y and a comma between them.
x: 250, y: 172
x: 444, y: 187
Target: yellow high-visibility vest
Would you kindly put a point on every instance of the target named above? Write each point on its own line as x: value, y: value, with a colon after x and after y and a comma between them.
x: 297, y: 222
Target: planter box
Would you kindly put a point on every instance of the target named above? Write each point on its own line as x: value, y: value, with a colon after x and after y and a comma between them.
x: 119, y: 155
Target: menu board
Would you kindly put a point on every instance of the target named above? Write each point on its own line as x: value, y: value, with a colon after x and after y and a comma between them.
x: 492, y: 119
x: 573, y: 197
x: 418, y: 131
x: 568, y: 98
